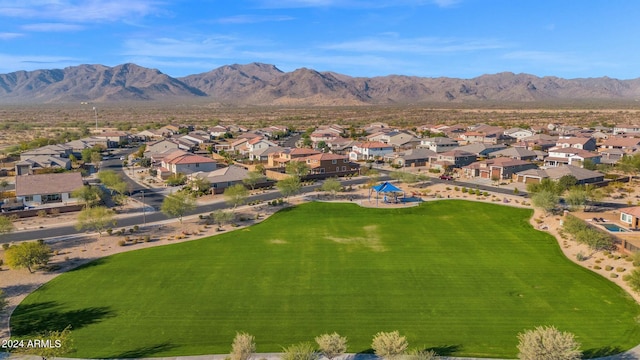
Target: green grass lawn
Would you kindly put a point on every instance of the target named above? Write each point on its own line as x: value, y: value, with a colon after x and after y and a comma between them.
x: 460, y: 277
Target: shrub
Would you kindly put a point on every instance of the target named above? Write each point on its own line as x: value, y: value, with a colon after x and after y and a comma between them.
x: 580, y: 256
x: 301, y: 351
x: 332, y: 345
x: 147, y: 238
x: 548, y: 343
x: 109, y: 231
x: 389, y: 345
x: 613, y: 275
x: 597, y: 267
x: 620, y: 269
x: 136, y: 228
x: 122, y: 242
x: 608, y: 268
x: 243, y: 347
x: 5, y: 246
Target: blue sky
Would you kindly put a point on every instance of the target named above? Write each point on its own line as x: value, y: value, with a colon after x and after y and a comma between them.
x: 431, y: 38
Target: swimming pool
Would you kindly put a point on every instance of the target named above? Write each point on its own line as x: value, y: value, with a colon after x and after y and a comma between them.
x: 614, y: 228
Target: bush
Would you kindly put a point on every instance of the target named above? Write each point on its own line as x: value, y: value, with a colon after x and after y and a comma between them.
x: 109, y: 231
x: 613, y: 275
x: 608, y: 268
x: 136, y: 228
x: 597, y: 267
x: 389, y: 345
x: 122, y: 242
x: 580, y: 256
x: 5, y: 246
x: 301, y: 351
x: 147, y: 238
x: 243, y: 347
x: 620, y: 269
x: 548, y: 343
x: 332, y: 345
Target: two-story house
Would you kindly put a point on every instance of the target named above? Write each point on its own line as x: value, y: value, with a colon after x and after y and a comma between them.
x: 453, y: 159
x: 369, y: 150
x: 570, y: 156
x: 583, y: 143
x: 180, y: 161
x: 438, y: 144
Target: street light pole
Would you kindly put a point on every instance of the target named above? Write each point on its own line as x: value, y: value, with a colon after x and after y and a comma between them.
x: 144, y: 218
x: 95, y: 113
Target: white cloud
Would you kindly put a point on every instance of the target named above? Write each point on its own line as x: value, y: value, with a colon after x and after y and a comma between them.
x: 52, y: 27
x: 251, y: 19
x: 433, y: 45
x: 289, y: 4
x: 9, y: 35
x: 78, y: 10
x: 11, y: 62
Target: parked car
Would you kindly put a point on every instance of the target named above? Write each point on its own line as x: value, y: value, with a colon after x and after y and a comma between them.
x: 446, y: 177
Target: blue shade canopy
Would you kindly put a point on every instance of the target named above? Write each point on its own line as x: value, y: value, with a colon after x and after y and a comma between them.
x: 386, y: 187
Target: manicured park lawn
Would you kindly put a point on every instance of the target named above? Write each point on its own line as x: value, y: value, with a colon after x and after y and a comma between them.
x: 461, y: 277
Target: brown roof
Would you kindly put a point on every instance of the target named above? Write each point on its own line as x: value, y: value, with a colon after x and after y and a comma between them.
x: 48, y: 183
x: 633, y: 210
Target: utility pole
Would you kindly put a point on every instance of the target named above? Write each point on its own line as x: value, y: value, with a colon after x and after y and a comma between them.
x: 95, y: 113
x: 144, y: 218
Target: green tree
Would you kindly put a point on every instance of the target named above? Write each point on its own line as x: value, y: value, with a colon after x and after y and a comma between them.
x: 331, y: 185
x: 389, y: 345
x: 566, y: 182
x: 545, y: 199
x: 88, y: 194
x: 6, y: 225
x: 297, y: 168
x: 289, y: 186
x: 177, y: 179
x: 97, y: 218
x: 61, y: 341
x: 222, y: 217
x: 332, y: 345
x: 236, y: 195
x: 301, y: 351
x: 177, y: 205
x: 28, y: 255
x: 200, y: 185
x: 96, y: 157
x: 576, y: 197
x: 3, y: 185
x: 629, y: 163
x: 548, y: 343
x: 633, y: 279
x: 253, y: 178
x: 243, y: 347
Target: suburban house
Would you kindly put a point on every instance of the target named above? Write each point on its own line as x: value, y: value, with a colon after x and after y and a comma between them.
x: 516, y: 153
x: 323, y: 135
x: 439, y: 144
x: 570, y: 156
x: 583, y: 143
x: 369, y: 150
x: 482, y: 149
x: 61, y: 151
x: 518, y: 133
x: 158, y: 147
x: 36, y: 164
x: 497, y: 168
x: 340, y: 145
x: 279, y: 159
x: 537, y: 142
x: 583, y: 176
x: 113, y: 139
x: 332, y: 164
x: 147, y: 135
x: 256, y: 146
x: 411, y: 158
x: 453, y: 158
x: 180, y: 161
x: 38, y: 190
x: 263, y: 154
x: 218, y: 131
x: 627, y: 144
x: 627, y: 129
x: 395, y: 138
x: 223, y: 178
x: 630, y: 216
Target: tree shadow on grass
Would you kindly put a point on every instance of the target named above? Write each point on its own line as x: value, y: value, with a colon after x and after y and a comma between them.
x: 608, y: 351
x: 34, y: 319
x: 445, y: 350
x: 90, y: 264
x: 145, y: 351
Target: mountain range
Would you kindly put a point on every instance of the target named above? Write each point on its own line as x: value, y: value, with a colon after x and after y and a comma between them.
x: 264, y: 84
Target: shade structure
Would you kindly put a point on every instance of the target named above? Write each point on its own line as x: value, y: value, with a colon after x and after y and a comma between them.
x: 386, y: 188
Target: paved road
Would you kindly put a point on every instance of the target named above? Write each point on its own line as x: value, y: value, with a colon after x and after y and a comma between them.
x: 155, y: 216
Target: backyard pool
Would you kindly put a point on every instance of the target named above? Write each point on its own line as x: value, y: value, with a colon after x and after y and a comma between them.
x: 614, y: 228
